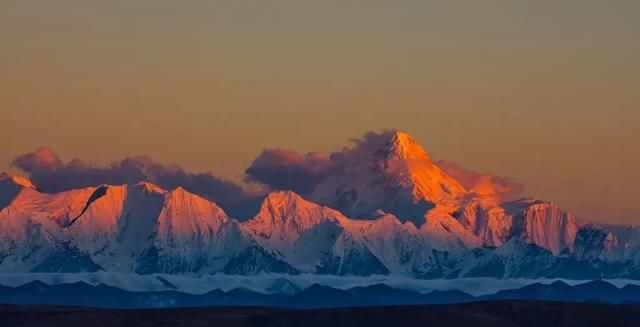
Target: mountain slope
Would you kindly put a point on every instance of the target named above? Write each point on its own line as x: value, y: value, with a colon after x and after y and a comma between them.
x: 398, y: 177
x: 129, y: 228
x: 311, y: 237
x: 385, y: 209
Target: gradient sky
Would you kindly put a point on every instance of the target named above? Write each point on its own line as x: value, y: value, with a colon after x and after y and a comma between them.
x: 545, y: 92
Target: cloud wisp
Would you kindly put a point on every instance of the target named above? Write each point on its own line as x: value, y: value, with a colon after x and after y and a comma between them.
x: 488, y: 184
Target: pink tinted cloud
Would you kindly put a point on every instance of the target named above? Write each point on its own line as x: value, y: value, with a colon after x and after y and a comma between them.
x: 503, y: 188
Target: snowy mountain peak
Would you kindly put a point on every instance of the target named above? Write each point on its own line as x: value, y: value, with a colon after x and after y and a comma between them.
x: 284, y: 216
x: 283, y: 198
x: 185, y: 201
x: 399, y: 178
x: 386, y: 208
x: 180, y: 191
x: 401, y: 145
x: 288, y: 207
x: 149, y: 187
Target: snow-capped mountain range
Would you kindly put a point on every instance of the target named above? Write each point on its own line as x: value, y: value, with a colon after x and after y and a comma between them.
x: 391, y: 212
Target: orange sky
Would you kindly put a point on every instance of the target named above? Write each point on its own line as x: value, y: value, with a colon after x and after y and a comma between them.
x: 545, y: 92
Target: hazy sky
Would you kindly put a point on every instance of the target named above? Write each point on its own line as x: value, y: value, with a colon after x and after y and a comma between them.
x: 545, y: 92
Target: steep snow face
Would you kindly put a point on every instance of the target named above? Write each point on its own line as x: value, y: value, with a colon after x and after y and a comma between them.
x: 294, y: 229
x: 118, y: 228
x: 313, y: 238
x: 24, y: 242
x: 284, y: 216
x: 190, y: 234
x: 444, y: 232
x: 59, y: 207
x: 31, y: 236
x: 30, y: 229
x: 485, y: 219
x: 398, y: 246
x: 399, y: 178
x: 544, y: 224
x: 188, y: 222
x: 403, y: 146
x: 404, y: 157
x: 533, y: 221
